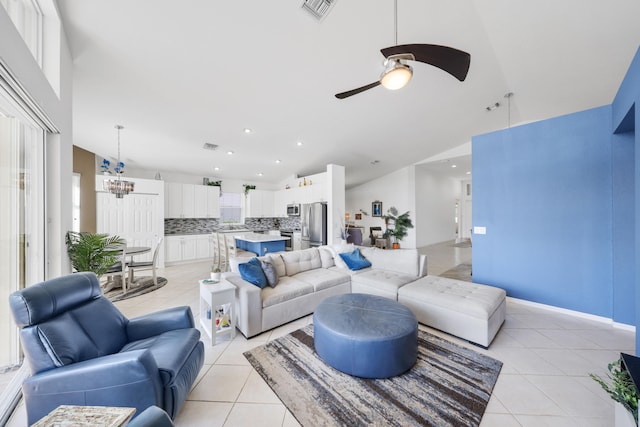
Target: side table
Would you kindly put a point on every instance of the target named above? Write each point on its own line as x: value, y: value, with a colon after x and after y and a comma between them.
x: 71, y: 415
x: 217, y: 309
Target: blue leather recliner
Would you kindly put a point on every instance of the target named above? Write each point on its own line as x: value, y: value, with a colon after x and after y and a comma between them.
x: 83, y: 351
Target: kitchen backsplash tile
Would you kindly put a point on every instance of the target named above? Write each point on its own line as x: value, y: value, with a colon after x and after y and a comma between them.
x: 210, y: 225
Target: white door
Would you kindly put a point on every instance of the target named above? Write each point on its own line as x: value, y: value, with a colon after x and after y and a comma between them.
x: 466, y: 210
x: 135, y: 218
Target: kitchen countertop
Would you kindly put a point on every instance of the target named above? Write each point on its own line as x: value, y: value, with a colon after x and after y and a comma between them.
x: 259, y: 238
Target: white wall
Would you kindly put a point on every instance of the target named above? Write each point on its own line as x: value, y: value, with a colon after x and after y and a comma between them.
x: 436, y: 198
x: 394, y: 189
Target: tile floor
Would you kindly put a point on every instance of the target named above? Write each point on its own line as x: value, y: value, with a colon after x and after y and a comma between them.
x: 544, y: 381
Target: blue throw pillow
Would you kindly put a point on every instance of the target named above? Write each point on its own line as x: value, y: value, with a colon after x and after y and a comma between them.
x: 252, y: 272
x: 355, y: 260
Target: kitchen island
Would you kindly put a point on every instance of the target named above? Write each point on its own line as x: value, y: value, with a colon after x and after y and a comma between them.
x: 260, y: 244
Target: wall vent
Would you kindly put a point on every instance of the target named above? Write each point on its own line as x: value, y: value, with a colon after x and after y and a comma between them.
x: 208, y: 146
x: 318, y: 8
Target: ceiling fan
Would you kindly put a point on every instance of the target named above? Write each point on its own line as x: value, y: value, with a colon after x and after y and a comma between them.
x: 397, y: 73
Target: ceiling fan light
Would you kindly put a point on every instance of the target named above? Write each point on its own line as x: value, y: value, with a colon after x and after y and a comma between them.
x: 397, y: 77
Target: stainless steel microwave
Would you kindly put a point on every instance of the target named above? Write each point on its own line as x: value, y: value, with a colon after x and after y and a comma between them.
x: 293, y: 210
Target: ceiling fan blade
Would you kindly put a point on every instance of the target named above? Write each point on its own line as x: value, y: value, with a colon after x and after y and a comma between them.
x: 453, y: 61
x: 352, y: 92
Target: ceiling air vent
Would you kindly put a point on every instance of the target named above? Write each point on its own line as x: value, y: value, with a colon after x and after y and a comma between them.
x: 208, y: 146
x: 318, y: 8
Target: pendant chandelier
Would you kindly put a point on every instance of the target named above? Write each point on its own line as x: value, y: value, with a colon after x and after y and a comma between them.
x: 118, y: 186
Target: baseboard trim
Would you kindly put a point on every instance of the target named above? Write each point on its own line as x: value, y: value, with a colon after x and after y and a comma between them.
x: 574, y: 313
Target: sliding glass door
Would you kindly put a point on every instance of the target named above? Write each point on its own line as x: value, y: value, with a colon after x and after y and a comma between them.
x: 22, y: 230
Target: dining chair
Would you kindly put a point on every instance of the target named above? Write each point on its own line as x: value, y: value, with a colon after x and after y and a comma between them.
x: 117, y: 273
x: 232, y: 249
x: 146, y: 265
x: 222, y: 252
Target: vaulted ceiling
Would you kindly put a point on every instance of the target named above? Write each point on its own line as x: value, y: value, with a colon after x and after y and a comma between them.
x: 181, y: 74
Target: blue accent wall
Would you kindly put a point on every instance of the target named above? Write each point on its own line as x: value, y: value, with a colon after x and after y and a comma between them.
x: 560, y: 199
x: 544, y: 193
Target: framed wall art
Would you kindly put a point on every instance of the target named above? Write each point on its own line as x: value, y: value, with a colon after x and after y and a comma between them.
x: 376, y: 208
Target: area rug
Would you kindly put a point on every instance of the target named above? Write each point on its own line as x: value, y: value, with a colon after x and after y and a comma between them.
x: 141, y: 285
x: 459, y: 272
x: 449, y: 385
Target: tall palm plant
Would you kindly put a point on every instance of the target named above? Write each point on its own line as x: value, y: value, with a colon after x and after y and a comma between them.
x: 93, y: 252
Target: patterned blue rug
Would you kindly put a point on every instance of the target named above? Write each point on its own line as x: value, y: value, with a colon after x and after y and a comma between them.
x: 449, y: 385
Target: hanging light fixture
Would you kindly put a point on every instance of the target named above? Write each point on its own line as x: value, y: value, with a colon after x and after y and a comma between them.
x: 396, y: 74
x: 118, y: 186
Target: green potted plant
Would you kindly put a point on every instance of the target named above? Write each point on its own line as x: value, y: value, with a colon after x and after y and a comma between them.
x: 93, y: 252
x: 400, y: 225
x: 622, y: 390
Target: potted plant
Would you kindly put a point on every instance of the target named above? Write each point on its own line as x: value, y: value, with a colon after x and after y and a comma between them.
x: 216, y: 271
x: 93, y: 252
x: 622, y: 390
x: 400, y: 225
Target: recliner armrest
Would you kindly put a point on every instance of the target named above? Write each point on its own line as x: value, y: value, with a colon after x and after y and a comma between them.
x: 158, y: 322
x: 122, y: 379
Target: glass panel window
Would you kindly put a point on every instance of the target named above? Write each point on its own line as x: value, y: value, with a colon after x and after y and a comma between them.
x: 230, y: 208
x: 26, y: 15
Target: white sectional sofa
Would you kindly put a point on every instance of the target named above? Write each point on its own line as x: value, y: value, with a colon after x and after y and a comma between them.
x: 308, y: 276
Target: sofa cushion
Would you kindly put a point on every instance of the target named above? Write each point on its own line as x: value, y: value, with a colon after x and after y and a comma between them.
x: 270, y: 272
x: 405, y: 261
x: 338, y: 249
x: 389, y: 281
x: 299, y: 261
x: 355, y: 260
x: 251, y: 271
x: 326, y: 257
x: 288, y: 288
x: 277, y: 261
x: 322, y: 278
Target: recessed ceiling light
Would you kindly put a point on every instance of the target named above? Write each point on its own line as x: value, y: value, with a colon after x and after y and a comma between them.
x: 299, y: 143
x: 468, y: 172
x: 247, y: 130
x: 454, y: 166
x: 259, y: 174
x: 278, y: 161
x: 216, y: 168
x: 229, y: 152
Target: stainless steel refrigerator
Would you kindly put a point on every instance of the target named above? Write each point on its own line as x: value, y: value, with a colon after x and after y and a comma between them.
x: 314, y: 225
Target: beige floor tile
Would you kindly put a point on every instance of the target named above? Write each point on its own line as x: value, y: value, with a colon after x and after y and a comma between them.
x: 222, y: 383
x: 256, y: 390
x: 522, y: 397
x: 256, y: 414
x: 203, y: 414
x: 290, y: 420
x: 499, y: 420
x: 547, y: 421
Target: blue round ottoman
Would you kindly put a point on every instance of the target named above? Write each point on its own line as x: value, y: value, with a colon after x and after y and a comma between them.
x: 365, y: 335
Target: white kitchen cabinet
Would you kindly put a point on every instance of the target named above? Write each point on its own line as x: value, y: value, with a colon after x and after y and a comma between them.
x: 259, y: 204
x: 187, y: 248
x: 202, y: 247
x: 173, y: 249
x: 279, y: 203
x: 179, y: 200
x: 191, y: 201
x: 207, y: 201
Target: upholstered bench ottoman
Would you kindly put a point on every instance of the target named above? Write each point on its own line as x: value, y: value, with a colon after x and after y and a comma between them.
x: 365, y: 335
x: 468, y: 310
